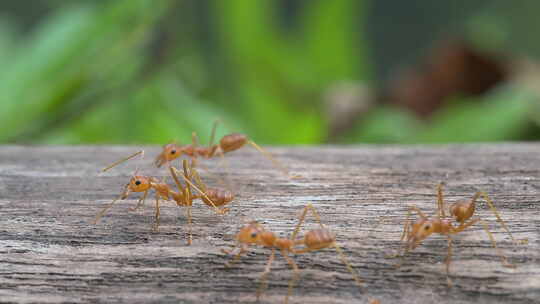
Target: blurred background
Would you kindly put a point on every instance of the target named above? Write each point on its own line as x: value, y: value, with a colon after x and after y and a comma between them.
x: 281, y: 71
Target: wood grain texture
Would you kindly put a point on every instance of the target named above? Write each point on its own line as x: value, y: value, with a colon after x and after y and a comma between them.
x: 50, y: 253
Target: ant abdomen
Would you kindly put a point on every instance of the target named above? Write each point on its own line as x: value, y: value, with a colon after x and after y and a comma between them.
x: 218, y: 197
x: 319, y: 238
x: 462, y: 210
x: 232, y: 142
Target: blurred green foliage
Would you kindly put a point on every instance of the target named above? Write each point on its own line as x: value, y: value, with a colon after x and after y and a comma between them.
x: 140, y: 71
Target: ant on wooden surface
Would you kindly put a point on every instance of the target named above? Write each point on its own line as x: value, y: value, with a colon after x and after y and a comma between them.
x: 228, y: 143
x: 212, y: 197
x: 313, y: 240
x: 460, y: 212
x: 183, y: 197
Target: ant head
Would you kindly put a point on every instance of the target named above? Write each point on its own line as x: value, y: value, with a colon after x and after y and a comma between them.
x: 250, y: 234
x: 139, y: 183
x: 170, y: 152
x: 421, y: 229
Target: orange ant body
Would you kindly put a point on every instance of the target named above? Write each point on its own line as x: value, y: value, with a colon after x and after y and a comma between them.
x: 141, y: 183
x: 228, y: 143
x: 182, y: 198
x: 461, y: 212
x: 313, y: 240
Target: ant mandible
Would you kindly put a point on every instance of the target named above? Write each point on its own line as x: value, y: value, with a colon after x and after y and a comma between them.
x: 460, y: 212
x: 228, y: 143
x: 313, y: 240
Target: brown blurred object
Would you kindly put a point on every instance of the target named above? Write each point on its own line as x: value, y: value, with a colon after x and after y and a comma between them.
x: 452, y: 68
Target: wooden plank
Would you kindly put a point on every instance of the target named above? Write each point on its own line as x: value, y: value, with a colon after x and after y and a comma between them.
x: 50, y: 253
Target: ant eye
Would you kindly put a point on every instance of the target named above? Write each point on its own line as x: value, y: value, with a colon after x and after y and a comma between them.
x: 426, y: 227
x: 253, y: 235
x: 137, y: 182
x: 173, y: 151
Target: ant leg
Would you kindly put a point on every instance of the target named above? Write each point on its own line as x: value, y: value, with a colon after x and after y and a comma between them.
x: 295, y: 277
x: 494, y: 244
x: 406, y: 229
x: 342, y: 258
x: 195, y: 144
x: 448, y: 259
x: 199, y: 183
x: 187, y: 170
x: 418, y: 211
x: 195, y: 175
x: 349, y: 266
x: 237, y: 256
x: 124, y: 195
x: 229, y: 251
x: 221, y: 181
x: 116, y: 163
x: 156, y: 226
x: 194, y: 139
x: 177, y: 181
x: 300, y: 222
x: 216, y: 209
x: 263, y: 283
x: 213, y: 133
x: 188, y: 211
x: 102, y: 212
x: 140, y: 203
x: 500, y: 220
x: 464, y: 226
x: 440, y: 201
x: 490, y: 235
x: 302, y: 217
x: 276, y: 163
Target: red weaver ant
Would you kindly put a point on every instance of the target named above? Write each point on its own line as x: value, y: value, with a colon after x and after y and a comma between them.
x: 460, y: 212
x: 228, y: 143
x: 313, y: 240
x: 183, y: 197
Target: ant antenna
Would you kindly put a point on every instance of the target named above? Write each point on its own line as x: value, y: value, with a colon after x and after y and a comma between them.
x: 116, y: 163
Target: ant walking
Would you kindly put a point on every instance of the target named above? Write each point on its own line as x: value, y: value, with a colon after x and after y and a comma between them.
x: 461, y: 213
x: 227, y: 143
x: 313, y: 240
x: 182, y: 198
x: 139, y: 183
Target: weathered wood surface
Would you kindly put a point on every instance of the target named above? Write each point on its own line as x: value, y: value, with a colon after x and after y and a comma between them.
x: 50, y: 253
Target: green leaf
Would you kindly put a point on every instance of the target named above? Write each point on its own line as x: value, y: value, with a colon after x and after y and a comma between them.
x: 502, y: 115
